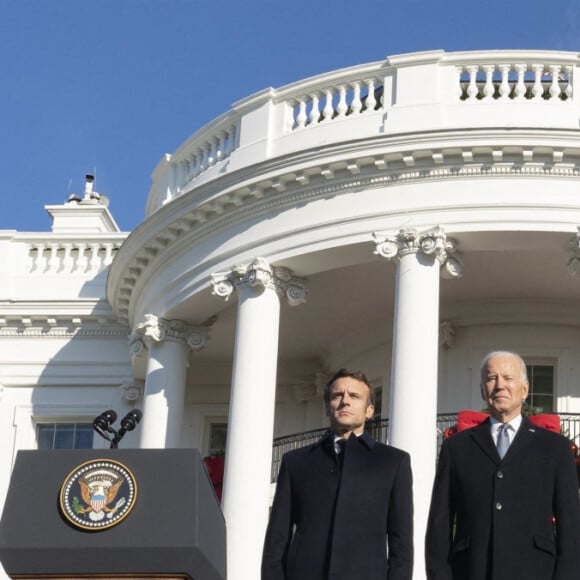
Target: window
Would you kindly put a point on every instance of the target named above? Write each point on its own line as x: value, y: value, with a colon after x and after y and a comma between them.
x: 64, y: 435
x: 217, y: 438
x: 541, y: 379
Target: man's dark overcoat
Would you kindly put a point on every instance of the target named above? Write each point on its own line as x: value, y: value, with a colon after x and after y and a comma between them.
x: 342, y: 519
x: 492, y: 519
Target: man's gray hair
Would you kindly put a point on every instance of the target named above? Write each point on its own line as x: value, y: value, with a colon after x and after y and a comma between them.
x: 496, y: 353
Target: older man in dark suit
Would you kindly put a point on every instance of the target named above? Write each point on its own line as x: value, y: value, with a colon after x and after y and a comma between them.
x: 341, y: 501
x: 505, y: 501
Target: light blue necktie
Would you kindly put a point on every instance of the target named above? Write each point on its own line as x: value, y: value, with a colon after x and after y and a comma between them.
x: 503, y: 440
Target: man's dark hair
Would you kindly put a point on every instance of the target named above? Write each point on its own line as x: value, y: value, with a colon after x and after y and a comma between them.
x: 358, y: 375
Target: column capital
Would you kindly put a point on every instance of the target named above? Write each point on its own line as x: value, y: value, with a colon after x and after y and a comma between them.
x: 260, y: 273
x: 155, y: 329
x: 432, y: 242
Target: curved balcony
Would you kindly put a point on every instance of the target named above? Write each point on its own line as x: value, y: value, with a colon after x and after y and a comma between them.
x: 420, y: 92
x: 440, y: 120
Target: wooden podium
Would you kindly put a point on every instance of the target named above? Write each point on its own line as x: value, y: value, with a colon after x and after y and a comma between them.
x: 112, y: 514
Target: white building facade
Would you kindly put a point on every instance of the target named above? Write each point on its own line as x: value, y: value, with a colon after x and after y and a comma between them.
x: 402, y: 217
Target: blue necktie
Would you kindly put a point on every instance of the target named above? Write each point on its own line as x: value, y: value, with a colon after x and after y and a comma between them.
x: 503, y: 440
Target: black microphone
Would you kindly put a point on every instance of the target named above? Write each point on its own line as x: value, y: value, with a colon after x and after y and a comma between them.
x: 102, y: 424
x: 128, y: 423
x: 130, y: 420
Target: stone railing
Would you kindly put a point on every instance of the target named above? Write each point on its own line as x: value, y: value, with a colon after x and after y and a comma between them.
x: 70, y: 257
x: 404, y: 94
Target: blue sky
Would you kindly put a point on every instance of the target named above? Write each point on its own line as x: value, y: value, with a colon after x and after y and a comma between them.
x: 111, y: 85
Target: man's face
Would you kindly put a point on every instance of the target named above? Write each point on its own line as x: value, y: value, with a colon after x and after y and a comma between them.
x: 348, y: 407
x: 503, y: 387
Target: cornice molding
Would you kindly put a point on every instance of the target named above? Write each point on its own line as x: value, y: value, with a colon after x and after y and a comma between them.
x: 362, y: 165
x: 59, y: 326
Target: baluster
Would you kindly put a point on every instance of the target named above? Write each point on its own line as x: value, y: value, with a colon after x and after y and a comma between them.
x: 30, y: 258
x: 504, y: 87
x: 472, y: 89
x: 520, y: 90
x: 173, y: 180
x: 537, y: 89
x: 328, y: 111
x: 195, y: 164
x: 95, y: 260
x: 356, y: 104
x: 315, y: 111
x: 204, y: 156
x: 81, y: 260
x: 39, y: 263
x: 212, y: 155
x: 108, y: 253
x: 301, y: 117
x: 221, y: 150
x: 488, y: 88
x: 371, y: 101
x: 67, y: 261
x: 230, y: 134
x: 188, y: 168
x: 555, y: 86
x: 53, y: 261
x: 568, y: 90
x: 341, y: 107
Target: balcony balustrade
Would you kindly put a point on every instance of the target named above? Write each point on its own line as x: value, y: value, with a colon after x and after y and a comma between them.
x: 378, y: 428
x: 404, y: 94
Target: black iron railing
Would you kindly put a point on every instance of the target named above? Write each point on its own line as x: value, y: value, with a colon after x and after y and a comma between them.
x: 569, y: 425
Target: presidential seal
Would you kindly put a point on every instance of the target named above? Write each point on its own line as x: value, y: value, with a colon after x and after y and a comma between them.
x: 98, y: 494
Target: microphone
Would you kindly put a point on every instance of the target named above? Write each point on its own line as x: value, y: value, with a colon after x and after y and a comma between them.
x: 130, y: 420
x: 102, y: 423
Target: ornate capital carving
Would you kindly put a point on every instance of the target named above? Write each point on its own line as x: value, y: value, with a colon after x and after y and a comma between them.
x: 137, y: 346
x: 260, y: 273
x: 431, y: 243
x: 132, y: 391
x: 574, y: 260
x: 155, y: 329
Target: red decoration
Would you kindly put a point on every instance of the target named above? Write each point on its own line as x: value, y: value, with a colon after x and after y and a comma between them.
x: 468, y: 419
x: 215, y: 468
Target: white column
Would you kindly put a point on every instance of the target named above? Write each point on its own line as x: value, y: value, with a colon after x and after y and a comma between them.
x: 248, y: 457
x: 413, y: 409
x: 168, y: 343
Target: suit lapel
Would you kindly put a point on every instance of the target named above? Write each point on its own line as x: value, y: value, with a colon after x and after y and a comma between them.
x: 482, y: 437
x: 523, y: 438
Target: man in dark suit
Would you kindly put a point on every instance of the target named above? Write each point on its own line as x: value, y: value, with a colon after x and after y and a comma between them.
x: 505, y: 500
x: 342, y: 500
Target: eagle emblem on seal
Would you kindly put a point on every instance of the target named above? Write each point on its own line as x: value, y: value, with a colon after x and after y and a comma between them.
x: 98, y: 494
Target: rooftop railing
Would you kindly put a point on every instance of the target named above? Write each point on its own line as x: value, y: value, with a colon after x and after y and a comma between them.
x: 405, y: 93
x: 378, y: 429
